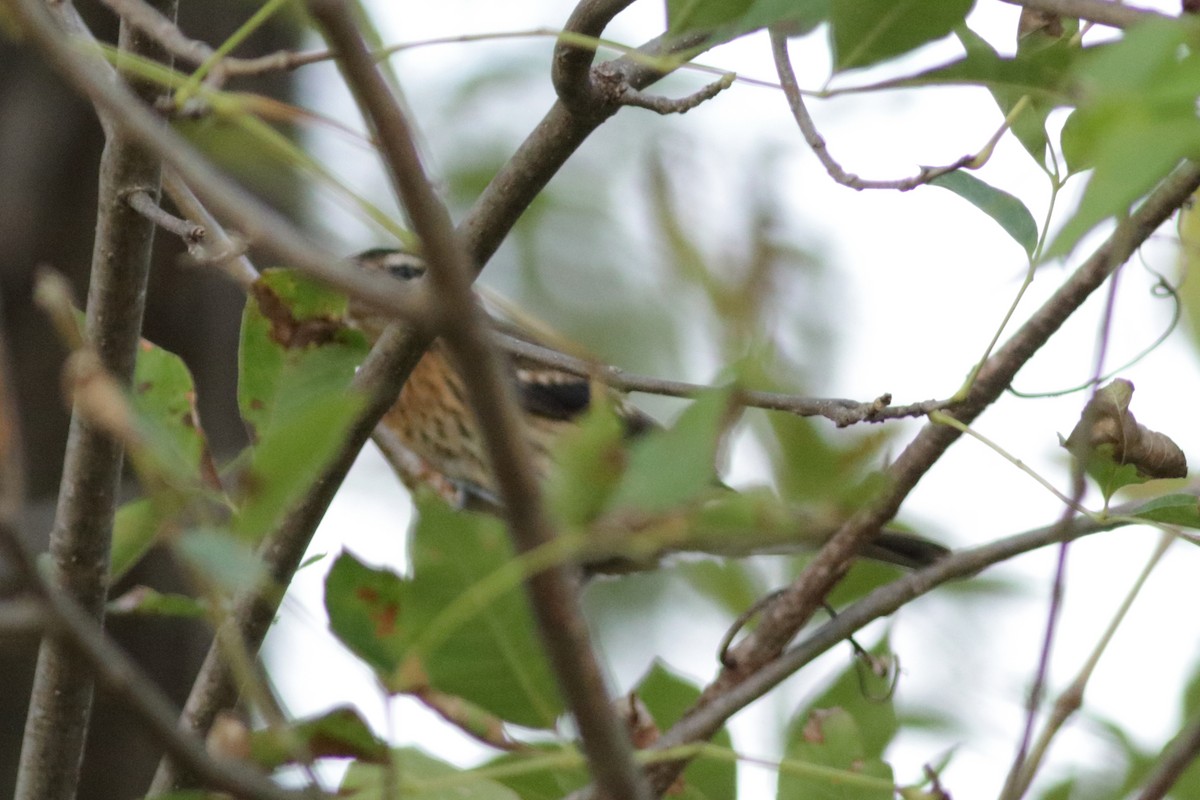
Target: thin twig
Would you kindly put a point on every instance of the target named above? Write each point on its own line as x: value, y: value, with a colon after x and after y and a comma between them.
x: 61, y: 700
x: 1072, y: 503
x: 145, y: 204
x: 552, y: 591
x: 1013, y: 787
x: 488, y: 731
x: 804, y: 120
x: 160, y: 28
x: 1021, y: 773
x: 843, y: 412
x: 675, y: 105
x: 218, y: 249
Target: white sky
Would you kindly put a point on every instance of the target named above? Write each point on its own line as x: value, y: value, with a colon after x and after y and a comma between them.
x: 926, y: 279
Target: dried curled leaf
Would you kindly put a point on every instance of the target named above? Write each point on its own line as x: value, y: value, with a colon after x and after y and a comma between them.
x: 1108, y: 432
x: 1035, y: 21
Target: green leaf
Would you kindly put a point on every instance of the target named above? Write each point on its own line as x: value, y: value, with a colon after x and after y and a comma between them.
x: 548, y: 772
x: 684, y: 16
x: 491, y: 655
x: 221, y: 558
x: 1045, y: 75
x: 338, y: 733
x: 1171, y: 509
x: 163, y: 396
x: 135, y: 530
x: 1008, y: 211
x: 419, y: 777
x: 150, y: 602
x: 865, y: 32
x: 835, y: 745
x: 670, y: 467
x: 174, y: 453
x: 296, y: 362
x: 285, y: 463
x: 810, y: 470
x: 733, y: 586
x: 826, y: 758
x: 294, y: 349
x: 589, y: 461
x: 667, y: 696
x: 1126, y: 169
x: 365, y: 607
x: 729, y: 19
x: 794, y: 17
x: 1136, y: 120
x: 454, y: 626
x: 1029, y: 126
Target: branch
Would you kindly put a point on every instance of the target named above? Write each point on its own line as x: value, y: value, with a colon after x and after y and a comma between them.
x: 1103, y: 12
x: 840, y: 411
x: 552, y: 591
x: 675, y: 105
x: 779, y: 623
x: 147, y: 205
x: 701, y: 723
x: 564, y: 128
x: 75, y: 628
x: 571, y: 69
x: 1070, y: 700
x: 217, y: 248
x: 257, y: 222
x: 61, y: 700
x: 808, y: 128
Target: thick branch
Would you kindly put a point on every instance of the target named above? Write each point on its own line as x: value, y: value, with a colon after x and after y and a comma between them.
x: 61, y: 701
x: 571, y: 71
x: 552, y: 591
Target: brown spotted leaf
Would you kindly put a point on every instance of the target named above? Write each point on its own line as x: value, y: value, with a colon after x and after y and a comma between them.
x: 295, y: 349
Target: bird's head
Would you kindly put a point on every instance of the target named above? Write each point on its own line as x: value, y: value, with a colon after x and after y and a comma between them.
x: 399, y: 264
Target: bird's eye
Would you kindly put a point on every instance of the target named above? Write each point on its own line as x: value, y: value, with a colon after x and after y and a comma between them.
x: 397, y: 263
x: 406, y: 271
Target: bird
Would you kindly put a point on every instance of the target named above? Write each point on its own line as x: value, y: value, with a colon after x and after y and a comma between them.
x: 434, y: 428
